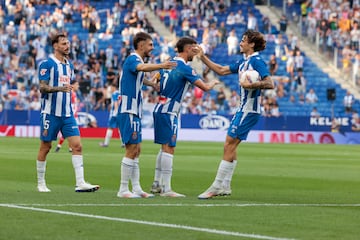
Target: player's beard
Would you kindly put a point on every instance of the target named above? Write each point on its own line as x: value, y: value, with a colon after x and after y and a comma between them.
x: 147, y: 54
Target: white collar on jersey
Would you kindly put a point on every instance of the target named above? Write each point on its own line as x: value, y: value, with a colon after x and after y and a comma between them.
x: 52, y: 56
x: 254, y: 54
x: 134, y: 53
x: 180, y: 59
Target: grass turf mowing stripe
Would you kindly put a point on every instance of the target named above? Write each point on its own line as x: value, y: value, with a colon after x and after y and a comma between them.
x: 157, y: 224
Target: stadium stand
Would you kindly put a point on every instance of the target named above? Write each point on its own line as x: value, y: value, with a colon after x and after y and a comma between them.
x: 94, y: 26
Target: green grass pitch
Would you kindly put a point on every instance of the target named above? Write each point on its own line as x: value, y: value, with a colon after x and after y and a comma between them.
x: 279, y: 192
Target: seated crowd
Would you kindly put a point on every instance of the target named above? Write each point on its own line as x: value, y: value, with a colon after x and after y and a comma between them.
x: 24, y: 42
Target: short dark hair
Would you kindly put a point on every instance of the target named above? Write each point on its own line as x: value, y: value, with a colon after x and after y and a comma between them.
x: 139, y: 37
x: 257, y: 38
x: 184, y: 41
x: 56, y: 37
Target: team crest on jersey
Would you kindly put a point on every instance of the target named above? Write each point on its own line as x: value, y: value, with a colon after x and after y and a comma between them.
x: 43, y: 71
x: 134, y: 135
x: 193, y: 72
x: 45, y: 133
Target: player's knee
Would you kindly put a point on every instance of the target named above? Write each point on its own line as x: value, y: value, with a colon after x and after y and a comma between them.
x: 76, y: 147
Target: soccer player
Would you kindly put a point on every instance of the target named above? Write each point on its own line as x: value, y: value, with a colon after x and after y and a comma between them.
x: 75, y: 87
x: 55, y: 75
x: 174, y: 83
x: 112, y: 124
x: 130, y: 111
x: 248, y: 112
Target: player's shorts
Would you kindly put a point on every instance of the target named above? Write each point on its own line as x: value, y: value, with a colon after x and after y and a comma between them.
x: 165, y: 128
x: 241, y: 124
x: 112, y: 122
x: 50, y: 125
x: 130, y: 128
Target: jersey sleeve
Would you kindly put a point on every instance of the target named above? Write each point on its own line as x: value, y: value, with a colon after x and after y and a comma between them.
x: 234, y: 67
x: 191, y: 75
x: 260, y: 66
x: 133, y: 62
x: 44, y: 71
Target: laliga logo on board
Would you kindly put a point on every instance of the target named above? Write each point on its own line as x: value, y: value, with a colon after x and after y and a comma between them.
x: 214, y: 122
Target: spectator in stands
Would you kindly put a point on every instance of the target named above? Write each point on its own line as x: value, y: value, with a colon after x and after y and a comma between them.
x: 85, y: 16
x: 194, y: 26
x: 232, y: 43
x: 18, y: 13
x: 230, y: 19
x: 98, y: 93
x: 290, y: 62
x: 222, y: 32
x: 252, y: 21
x: 173, y: 18
x: 348, y: 102
x: 283, y: 22
x: 280, y: 43
x: 275, y: 112
x: 221, y: 97
x: 185, y: 27
x: 239, y: 17
x: 2, y: 17
x: 299, y: 61
x: 335, y: 125
x: 273, y: 65
x: 299, y: 83
x: 311, y: 96
x: 301, y: 99
x: 355, y: 36
x: 314, y: 113
x: 347, y: 55
x: 68, y: 12
x: 355, y: 122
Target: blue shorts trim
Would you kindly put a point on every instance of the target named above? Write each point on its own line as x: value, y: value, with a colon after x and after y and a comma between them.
x: 241, y: 124
x: 130, y: 128
x: 50, y: 125
x: 165, y: 128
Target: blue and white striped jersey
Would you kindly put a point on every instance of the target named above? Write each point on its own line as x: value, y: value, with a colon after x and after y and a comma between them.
x: 250, y: 98
x: 56, y: 74
x: 130, y: 86
x: 174, y: 84
x: 114, y: 98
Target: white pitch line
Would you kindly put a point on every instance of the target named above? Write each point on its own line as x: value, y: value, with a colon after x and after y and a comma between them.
x: 189, y: 205
x: 156, y: 224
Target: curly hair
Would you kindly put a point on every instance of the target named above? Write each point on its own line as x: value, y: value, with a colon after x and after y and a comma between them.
x: 257, y: 38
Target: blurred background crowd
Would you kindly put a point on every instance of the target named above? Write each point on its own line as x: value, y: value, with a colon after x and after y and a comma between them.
x: 101, y: 37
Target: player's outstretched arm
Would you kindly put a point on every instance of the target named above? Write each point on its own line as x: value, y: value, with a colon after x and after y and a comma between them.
x: 219, y: 69
x: 149, y: 67
x: 206, y: 86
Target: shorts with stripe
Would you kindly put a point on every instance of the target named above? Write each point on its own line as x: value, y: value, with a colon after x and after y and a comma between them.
x: 165, y: 128
x: 241, y: 124
x: 50, y: 125
x: 130, y: 128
